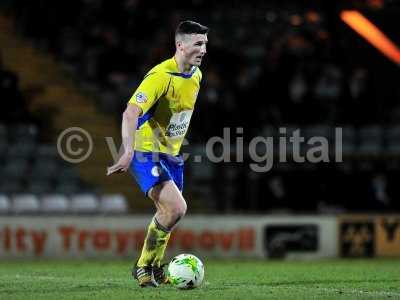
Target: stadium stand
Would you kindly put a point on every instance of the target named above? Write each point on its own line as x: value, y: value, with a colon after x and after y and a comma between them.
x: 25, y: 204
x: 4, y: 204
x: 113, y: 204
x: 84, y: 204
x: 55, y: 204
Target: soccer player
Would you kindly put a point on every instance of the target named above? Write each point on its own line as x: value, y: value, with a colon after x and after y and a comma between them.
x: 154, y: 125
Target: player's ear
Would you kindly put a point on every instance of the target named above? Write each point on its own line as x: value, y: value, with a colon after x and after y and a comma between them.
x: 179, y: 45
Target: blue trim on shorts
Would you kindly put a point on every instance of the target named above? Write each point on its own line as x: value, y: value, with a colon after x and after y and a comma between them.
x: 152, y: 168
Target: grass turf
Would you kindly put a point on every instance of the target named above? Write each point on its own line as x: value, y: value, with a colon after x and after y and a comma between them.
x: 328, y: 279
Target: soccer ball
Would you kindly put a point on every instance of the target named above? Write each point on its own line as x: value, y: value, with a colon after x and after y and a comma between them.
x: 186, y: 271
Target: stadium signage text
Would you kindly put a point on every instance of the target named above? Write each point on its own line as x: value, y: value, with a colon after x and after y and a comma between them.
x: 388, y: 236
x: 210, y: 236
x: 121, y: 242
x: 22, y: 239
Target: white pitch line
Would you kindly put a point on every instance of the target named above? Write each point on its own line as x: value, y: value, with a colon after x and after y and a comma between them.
x: 343, y: 291
x: 355, y: 291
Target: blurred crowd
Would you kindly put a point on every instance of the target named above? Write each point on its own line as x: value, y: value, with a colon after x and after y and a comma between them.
x: 269, y: 64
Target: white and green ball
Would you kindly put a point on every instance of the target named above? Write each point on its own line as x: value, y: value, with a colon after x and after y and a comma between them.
x: 186, y: 271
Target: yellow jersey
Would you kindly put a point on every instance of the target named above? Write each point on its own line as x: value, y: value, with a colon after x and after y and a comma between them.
x: 167, y: 98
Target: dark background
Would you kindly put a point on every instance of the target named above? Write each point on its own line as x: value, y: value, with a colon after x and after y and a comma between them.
x: 270, y: 64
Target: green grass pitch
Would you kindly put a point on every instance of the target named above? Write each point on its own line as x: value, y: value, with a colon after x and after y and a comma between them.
x: 233, y: 279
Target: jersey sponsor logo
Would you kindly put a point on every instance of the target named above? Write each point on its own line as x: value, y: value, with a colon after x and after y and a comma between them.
x: 179, y: 124
x: 182, y: 117
x: 141, y: 97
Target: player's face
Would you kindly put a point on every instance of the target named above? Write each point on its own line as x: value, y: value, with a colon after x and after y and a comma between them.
x: 194, y: 48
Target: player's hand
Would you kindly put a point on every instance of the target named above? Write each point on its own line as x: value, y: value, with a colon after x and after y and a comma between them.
x: 122, y: 165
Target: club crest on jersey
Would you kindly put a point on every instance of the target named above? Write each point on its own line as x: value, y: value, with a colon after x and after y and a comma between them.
x: 141, y: 97
x: 156, y: 171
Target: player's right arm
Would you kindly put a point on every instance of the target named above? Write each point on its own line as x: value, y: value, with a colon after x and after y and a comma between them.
x: 152, y: 88
x: 130, y: 119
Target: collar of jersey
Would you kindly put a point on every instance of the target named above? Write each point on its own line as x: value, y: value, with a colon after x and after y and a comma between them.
x: 183, y: 75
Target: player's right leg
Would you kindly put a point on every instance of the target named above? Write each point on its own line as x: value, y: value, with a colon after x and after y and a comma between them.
x: 171, y: 207
x: 144, y: 276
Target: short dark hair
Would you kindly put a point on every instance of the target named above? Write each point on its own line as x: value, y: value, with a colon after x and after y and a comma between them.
x: 190, y: 27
